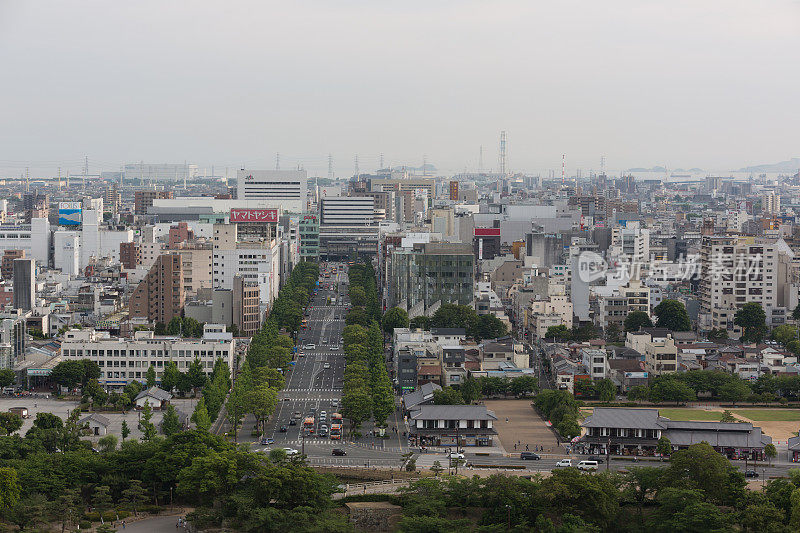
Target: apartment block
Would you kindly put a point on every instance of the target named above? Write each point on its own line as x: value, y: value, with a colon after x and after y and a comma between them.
x: 432, y: 272
x: 144, y: 200
x: 160, y: 296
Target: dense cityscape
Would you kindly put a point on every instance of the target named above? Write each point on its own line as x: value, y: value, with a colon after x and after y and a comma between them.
x: 415, y: 298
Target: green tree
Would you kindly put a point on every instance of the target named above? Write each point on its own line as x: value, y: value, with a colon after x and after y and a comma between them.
x: 664, y: 446
x: 700, y: 467
x: 394, y: 318
x: 717, y: 334
x: 637, y: 320
x: 200, y: 416
x: 420, y: 322
x: 672, y: 315
x: 639, y: 393
x: 151, y: 377
x: 771, y: 452
x: 147, y: 428
x: 753, y: 321
x: 559, y: 333
x: 486, y: 326
x: 794, y: 520
x: 734, y: 391
x: 7, y: 377
x: 261, y: 402
x: 612, y: 332
x: 727, y: 416
x: 170, y: 424
x: 470, y: 390
x: 10, y: 489
x: 447, y: 396
x: 524, y: 385
x: 671, y: 390
x: 171, y: 376
x: 197, y: 377
x: 68, y: 374
x: 640, y: 484
x: 101, y: 498
x: 437, y: 468
x: 175, y: 325
x: 69, y: 506
x: 606, y: 390
x: 785, y: 333
x: 125, y: 430
x: 357, y: 406
x: 9, y: 423
x: 134, y: 496
x: 382, y: 398
x: 107, y: 443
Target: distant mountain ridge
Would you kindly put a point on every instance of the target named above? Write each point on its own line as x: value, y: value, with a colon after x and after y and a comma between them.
x: 784, y: 166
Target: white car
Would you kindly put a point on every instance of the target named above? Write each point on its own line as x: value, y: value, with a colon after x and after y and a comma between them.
x: 455, y: 455
x: 290, y: 451
x: 310, y: 347
x: 326, y: 365
x: 563, y: 463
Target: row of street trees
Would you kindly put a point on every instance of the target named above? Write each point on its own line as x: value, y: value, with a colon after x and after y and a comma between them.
x: 255, y: 391
x: 367, y: 387
x: 479, y: 327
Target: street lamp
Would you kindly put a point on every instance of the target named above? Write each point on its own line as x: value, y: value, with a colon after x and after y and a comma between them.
x: 508, y: 515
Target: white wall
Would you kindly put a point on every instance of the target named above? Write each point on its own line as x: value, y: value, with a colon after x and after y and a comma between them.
x: 67, y: 252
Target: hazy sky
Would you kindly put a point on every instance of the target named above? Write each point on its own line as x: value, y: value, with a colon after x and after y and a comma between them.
x: 708, y: 83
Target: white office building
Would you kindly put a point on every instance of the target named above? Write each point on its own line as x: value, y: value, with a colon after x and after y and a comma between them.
x: 123, y: 360
x: 285, y: 189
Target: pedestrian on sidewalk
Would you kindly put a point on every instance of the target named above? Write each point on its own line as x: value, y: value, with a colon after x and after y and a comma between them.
x: 526, y: 447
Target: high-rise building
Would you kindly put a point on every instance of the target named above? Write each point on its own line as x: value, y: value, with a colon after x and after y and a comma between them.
x: 771, y: 204
x: 144, y: 200
x: 129, y: 255
x: 238, y: 306
x: 24, y: 284
x: 737, y: 270
x: 347, y: 227
x: 432, y: 272
x: 7, y: 269
x: 286, y: 189
x: 160, y: 296
x: 309, y: 238
x: 454, y: 190
x: 35, y: 205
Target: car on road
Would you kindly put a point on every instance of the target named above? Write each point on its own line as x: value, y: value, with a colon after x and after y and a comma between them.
x: 326, y: 365
x: 595, y: 458
x: 290, y: 451
x: 266, y: 441
x: 284, y: 429
x: 529, y: 456
x: 292, y: 422
x: 455, y: 455
x: 310, y: 347
x: 564, y: 463
x: 587, y: 465
x: 334, y: 403
x: 323, y: 414
x: 338, y: 451
x: 323, y: 430
x: 750, y: 473
x: 296, y: 415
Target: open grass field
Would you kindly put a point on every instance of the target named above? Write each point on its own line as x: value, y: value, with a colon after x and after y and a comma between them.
x: 690, y: 414
x: 769, y: 415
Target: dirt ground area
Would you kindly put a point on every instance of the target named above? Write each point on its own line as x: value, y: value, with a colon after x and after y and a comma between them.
x: 779, y: 431
x: 524, y: 426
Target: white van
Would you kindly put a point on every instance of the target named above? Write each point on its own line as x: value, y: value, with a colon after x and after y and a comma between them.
x: 563, y: 463
x: 587, y: 465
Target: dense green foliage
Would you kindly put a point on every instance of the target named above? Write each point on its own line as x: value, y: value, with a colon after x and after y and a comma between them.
x: 367, y: 388
x: 672, y: 315
x: 753, y: 321
x: 562, y: 333
x: 246, y: 491
x: 477, y: 326
x: 637, y: 320
x: 561, y: 409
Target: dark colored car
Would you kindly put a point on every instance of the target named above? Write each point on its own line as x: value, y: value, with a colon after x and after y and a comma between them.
x: 529, y: 456
x: 750, y: 473
x: 292, y: 422
x: 338, y: 451
x: 284, y: 429
x: 595, y: 458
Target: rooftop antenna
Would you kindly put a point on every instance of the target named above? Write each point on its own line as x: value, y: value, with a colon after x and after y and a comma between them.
x: 330, y: 167
x: 277, y: 161
x: 563, y: 168
x: 503, y: 153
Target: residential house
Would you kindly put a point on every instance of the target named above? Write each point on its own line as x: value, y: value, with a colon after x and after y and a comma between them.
x: 452, y: 425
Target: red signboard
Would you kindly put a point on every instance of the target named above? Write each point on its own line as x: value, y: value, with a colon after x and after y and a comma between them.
x: 487, y: 232
x: 254, y: 215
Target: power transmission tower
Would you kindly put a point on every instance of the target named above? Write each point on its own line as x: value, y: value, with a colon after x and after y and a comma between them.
x: 330, y: 167
x: 356, y: 165
x: 277, y: 161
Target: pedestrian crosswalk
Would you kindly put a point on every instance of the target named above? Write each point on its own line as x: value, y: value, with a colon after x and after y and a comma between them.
x: 298, y: 389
